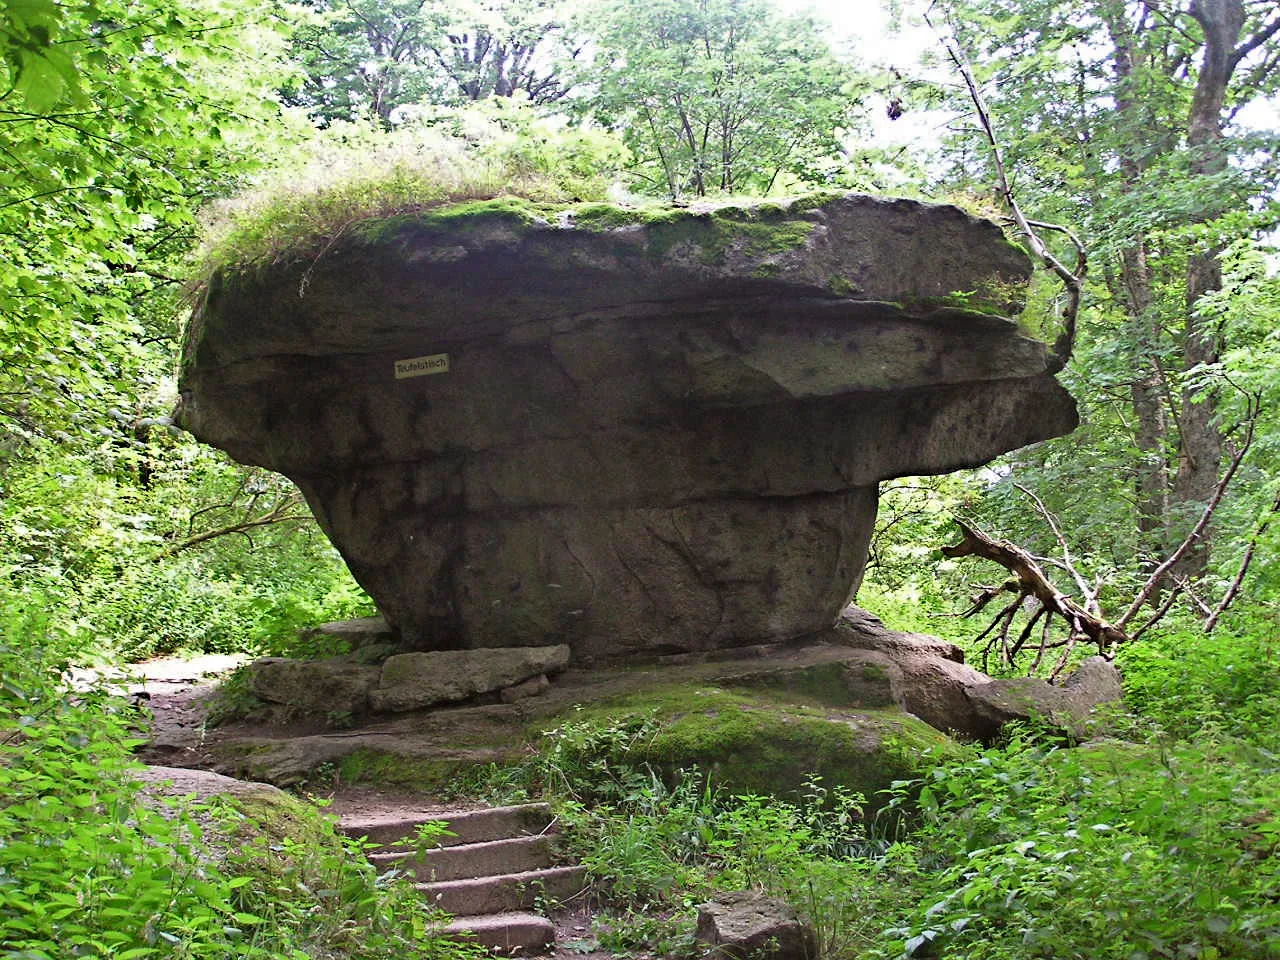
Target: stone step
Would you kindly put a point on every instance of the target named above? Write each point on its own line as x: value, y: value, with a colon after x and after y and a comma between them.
x: 507, y: 893
x: 468, y: 826
x: 507, y: 933
x: 490, y: 858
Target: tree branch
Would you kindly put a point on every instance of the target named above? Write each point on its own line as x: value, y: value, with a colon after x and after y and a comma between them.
x: 1192, y: 538
x: 1064, y: 345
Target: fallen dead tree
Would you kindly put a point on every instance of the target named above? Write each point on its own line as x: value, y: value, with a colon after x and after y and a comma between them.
x: 1046, y: 604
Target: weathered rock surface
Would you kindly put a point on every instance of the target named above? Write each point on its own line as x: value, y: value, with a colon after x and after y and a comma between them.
x: 361, y: 632
x: 1066, y: 706
x: 925, y: 676
x: 412, y: 681
x: 630, y: 434
x: 760, y: 718
x: 202, y: 784
x: 404, y: 681
x: 336, y: 685
x: 750, y: 926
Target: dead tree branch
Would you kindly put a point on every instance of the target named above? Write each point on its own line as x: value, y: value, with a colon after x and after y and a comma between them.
x: 1033, y: 583
x: 1072, y: 280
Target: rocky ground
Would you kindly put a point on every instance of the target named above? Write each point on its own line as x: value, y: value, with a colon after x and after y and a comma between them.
x: 176, y: 693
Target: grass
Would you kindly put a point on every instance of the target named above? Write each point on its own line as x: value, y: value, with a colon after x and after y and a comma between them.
x: 341, y: 185
x: 360, y: 186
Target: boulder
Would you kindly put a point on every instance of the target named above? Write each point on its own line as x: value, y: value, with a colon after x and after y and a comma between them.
x: 407, y: 681
x: 202, y: 785
x: 413, y: 681
x: 360, y: 632
x: 632, y: 432
x: 932, y: 679
x: 1067, y: 706
x: 533, y: 687
x: 750, y: 926
x: 316, y: 687
x: 863, y: 663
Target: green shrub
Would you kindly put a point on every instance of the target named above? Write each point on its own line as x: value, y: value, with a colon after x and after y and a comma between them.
x: 1186, y: 680
x: 87, y: 869
x: 1123, y: 851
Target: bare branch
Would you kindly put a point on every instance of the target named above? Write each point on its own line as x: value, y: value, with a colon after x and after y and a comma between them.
x: 1067, y: 562
x: 1192, y: 538
x: 1073, y: 281
x: 1238, y: 580
x: 1033, y: 582
x: 1156, y: 617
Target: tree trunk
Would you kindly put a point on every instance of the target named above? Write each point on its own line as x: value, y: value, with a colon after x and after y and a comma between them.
x: 1201, y: 454
x: 1147, y: 392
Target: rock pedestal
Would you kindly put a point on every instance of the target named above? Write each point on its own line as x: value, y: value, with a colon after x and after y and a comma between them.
x: 626, y: 432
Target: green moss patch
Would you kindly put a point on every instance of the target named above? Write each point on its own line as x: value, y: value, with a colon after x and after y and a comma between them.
x: 438, y: 776
x: 711, y: 236
x: 506, y: 213
x: 752, y: 742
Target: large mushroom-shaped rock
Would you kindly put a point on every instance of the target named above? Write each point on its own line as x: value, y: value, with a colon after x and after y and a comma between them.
x: 624, y: 431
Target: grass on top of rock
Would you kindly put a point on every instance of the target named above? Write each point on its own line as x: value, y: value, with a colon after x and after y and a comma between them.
x: 354, y: 173
x: 499, y: 163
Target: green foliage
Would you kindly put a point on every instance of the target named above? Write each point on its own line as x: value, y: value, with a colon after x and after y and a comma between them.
x: 668, y: 848
x: 1112, y: 850
x: 1110, y: 123
x: 81, y: 530
x: 723, y: 96
x: 1189, y: 682
x: 90, y: 867
x: 113, y: 119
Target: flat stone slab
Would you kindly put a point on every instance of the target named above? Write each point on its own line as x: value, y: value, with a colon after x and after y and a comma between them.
x: 406, y: 681
x: 507, y: 934
x: 750, y: 926
x: 506, y: 893
x: 318, y: 687
x: 359, y: 632
x: 412, y: 681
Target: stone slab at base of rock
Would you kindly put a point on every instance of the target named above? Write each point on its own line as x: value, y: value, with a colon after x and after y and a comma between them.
x: 336, y: 685
x: 1067, y: 706
x: 407, y: 681
x: 748, y: 926
x: 359, y: 632
x: 413, y: 681
x: 862, y: 661
x: 529, y: 688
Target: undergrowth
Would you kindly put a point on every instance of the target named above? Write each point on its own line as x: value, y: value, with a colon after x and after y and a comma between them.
x: 1162, y: 842
x: 353, y: 173
x: 90, y: 866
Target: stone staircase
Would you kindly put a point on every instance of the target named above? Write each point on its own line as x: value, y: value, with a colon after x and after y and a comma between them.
x: 491, y: 874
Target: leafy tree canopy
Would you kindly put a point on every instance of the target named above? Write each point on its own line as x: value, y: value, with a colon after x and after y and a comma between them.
x: 721, y: 95
x: 367, y: 58
x: 115, y: 122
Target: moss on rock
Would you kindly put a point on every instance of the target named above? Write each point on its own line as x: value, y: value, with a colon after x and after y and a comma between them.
x: 757, y: 742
